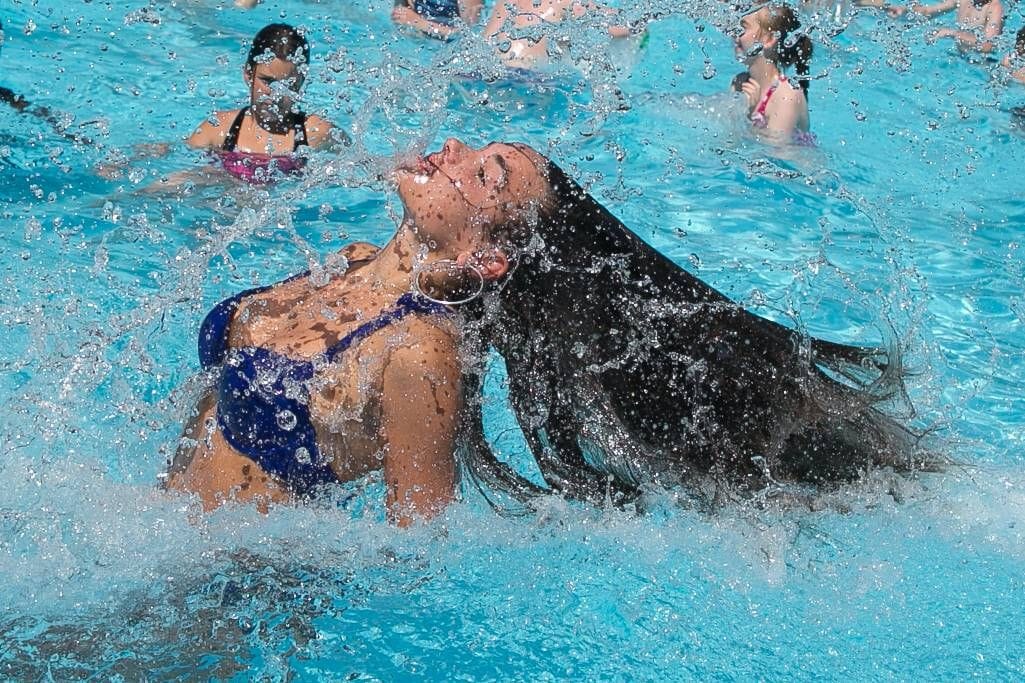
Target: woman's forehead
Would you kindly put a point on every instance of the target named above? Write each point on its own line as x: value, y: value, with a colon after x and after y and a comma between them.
x: 277, y: 67
x: 514, y: 162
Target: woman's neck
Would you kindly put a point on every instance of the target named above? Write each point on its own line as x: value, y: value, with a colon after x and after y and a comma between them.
x: 763, y: 71
x: 392, y: 267
x: 270, y: 120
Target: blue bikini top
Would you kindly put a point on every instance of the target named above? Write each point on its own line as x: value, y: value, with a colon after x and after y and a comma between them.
x: 263, y: 398
x: 442, y: 11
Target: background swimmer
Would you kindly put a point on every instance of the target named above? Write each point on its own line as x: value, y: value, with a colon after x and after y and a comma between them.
x: 979, y: 22
x: 767, y: 43
x: 436, y: 18
x: 19, y: 104
x: 518, y: 28
x: 257, y: 141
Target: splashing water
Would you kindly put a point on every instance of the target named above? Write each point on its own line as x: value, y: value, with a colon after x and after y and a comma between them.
x: 905, y: 219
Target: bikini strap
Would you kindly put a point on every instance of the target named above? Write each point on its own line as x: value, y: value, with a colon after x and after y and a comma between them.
x: 766, y: 97
x: 407, y: 303
x: 231, y: 139
x: 300, y: 132
x: 213, y: 332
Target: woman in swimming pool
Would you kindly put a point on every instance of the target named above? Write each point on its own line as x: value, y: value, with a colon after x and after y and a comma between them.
x: 436, y: 18
x: 769, y: 42
x: 261, y: 140
x: 624, y: 369
x: 513, y: 25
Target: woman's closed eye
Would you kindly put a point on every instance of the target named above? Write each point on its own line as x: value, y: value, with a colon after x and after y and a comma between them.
x: 488, y: 173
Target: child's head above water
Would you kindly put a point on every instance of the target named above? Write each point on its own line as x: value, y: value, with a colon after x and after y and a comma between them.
x: 276, y: 70
x: 279, y: 41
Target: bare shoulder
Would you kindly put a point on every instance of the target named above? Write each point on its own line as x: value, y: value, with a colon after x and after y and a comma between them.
x: 212, y: 131
x: 293, y: 286
x: 429, y: 349
x: 318, y: 130
x: 359, y: 251
x: 792, y: 92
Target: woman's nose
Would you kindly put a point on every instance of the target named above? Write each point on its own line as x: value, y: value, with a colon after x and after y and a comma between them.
x: 453, y: 148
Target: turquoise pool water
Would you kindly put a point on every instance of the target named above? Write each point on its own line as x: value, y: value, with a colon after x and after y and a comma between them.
x: 905, y: 224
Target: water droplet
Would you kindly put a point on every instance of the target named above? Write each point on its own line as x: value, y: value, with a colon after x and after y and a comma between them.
x: 302, y: 454
x: 287, y: 420
x: 33, y: 229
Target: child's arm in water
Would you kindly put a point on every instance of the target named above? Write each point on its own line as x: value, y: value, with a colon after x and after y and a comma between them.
x: 970, y: 39
x: 933, y: 10
x: 616, y: 30
x: 893, y: 10
x: 404, y: 15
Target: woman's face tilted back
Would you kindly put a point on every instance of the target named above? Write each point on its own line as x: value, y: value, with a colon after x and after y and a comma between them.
x: 456, y: 198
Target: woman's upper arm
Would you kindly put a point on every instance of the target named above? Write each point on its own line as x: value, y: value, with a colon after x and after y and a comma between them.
x: 421, y: 403
x: 470, y: 10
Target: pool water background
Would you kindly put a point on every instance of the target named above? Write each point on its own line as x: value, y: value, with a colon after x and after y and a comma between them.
x: 904, y: 225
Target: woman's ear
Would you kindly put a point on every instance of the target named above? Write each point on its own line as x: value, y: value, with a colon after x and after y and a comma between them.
x: 492, y: 264
x: 247, y: 75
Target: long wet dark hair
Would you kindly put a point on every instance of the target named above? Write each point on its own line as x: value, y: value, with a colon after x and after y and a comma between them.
x: 625, y: 370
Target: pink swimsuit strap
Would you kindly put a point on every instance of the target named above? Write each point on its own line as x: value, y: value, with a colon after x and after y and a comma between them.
x: 758, y: 116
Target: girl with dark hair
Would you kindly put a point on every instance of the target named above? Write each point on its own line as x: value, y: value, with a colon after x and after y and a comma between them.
x: 769, y: 42
x: 325, y: 381
x: 624, y: 370
x: 261, y: 140
x: 436, y: 18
